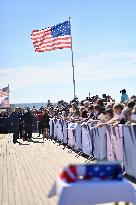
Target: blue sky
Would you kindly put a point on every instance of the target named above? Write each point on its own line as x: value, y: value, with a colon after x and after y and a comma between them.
x: 104, y: 44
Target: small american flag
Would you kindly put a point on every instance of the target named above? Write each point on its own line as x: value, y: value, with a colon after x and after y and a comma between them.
x: 51, y: 38
x: 5, y: 102
x: 4, y: 92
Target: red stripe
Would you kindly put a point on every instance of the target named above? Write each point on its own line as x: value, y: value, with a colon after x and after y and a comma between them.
x: 3, y: 94
x: 73, y: 169
x: 40, y: 37
x: 53, y: 39
x: 52, y: 48
x: 64, y: 176
x: 53, y: 45
x: 39, y: 32
x: 49, y: 49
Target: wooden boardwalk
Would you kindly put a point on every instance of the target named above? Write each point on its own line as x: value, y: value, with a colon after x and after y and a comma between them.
x: 28, y: 170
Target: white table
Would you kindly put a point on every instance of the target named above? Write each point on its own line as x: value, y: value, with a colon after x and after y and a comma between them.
x: 93, y: 192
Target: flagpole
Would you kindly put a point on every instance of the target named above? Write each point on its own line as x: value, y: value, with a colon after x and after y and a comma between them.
x: 74, y: 86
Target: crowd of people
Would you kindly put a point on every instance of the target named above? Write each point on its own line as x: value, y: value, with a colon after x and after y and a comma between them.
x: 100, y: 111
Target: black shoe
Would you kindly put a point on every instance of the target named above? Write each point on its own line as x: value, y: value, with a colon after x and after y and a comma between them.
x: 29, y: 140
x: 16, y: 142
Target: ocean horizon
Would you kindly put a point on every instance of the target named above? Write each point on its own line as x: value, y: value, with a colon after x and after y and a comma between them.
x: 30, y: 105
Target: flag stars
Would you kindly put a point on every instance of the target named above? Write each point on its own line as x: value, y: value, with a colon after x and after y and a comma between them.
x: 96, y: 169
x: 102, y: 173
x: 119, y: 176
x: 108, y: 168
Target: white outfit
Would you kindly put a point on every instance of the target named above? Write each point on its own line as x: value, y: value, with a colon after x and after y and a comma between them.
x: 133, y: 117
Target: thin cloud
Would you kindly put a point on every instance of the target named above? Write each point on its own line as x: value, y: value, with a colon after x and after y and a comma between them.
x: 28, y: 76
x: 107, y: 66
x: 97, y: 67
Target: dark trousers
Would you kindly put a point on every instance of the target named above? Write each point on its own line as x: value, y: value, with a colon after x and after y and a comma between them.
x: 21, y: 130
x: 15, y: 134
x: 28, y: 132
x: 40, y: 129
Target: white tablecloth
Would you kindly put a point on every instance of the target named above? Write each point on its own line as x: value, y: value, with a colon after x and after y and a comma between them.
x: 93, y: 192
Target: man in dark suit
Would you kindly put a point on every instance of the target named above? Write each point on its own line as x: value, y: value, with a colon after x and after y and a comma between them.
x: 14, y: 119
x: 28, y: 121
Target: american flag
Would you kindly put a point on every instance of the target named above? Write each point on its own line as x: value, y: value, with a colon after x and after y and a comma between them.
x: 94, y: 172
x: 5, y: 102
x: 51, y: 38
x: 4, y: 92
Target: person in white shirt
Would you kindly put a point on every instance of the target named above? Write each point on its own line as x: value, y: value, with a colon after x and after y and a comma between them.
x: 128, y: 110
x: 133, y: 115
x: 118, y: 115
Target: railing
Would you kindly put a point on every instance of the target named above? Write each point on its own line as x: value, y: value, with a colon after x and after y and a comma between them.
x: 103, y: 143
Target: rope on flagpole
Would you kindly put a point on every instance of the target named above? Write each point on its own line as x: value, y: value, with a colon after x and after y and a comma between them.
x: 74, y: 86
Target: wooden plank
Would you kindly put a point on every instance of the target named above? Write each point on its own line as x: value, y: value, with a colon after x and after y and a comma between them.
x: 22, y: 182
x: 1, y: 168
x: 36, y: 174
x: 32, y: 193
x: 4, y: 175
x: 11, y: 192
